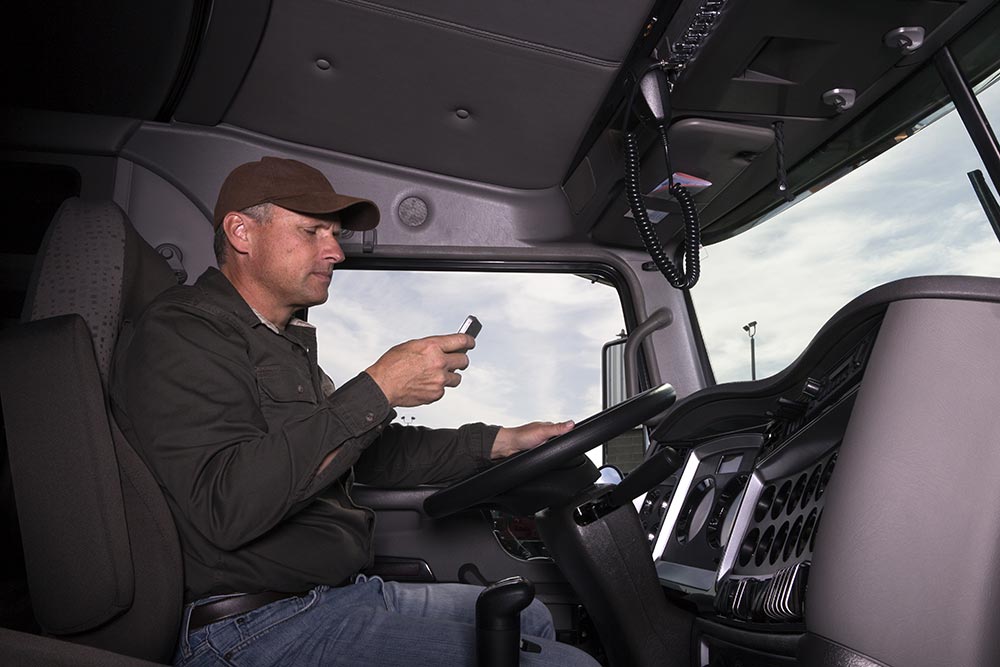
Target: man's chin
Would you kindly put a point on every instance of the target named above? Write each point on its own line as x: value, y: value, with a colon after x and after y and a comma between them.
x: 317, y: 299
x: 321, y: 292
x: 314, y: 297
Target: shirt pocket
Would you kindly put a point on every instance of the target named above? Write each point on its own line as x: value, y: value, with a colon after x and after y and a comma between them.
x: 284, y: 390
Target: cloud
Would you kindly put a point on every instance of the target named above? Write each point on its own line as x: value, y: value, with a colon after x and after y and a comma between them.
x: 910, y: 211
x: 538, y: 356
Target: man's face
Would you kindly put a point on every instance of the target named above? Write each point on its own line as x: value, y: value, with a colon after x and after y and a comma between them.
x: 293, y: 256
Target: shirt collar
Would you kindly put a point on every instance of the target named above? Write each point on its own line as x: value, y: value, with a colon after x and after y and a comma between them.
x: 294, y: 322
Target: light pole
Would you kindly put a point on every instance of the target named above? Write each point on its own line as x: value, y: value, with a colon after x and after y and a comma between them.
x: 751, y: 329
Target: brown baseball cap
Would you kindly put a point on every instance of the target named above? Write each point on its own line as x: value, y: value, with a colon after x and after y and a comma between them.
x: 293, y: 185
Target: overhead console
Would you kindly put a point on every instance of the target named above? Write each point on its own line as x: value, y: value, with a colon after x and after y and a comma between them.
x: 816, y: 68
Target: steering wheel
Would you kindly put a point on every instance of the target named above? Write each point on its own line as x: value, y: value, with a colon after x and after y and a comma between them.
x: 525, y: 466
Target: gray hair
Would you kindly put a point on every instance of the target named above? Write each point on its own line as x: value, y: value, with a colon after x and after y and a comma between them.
x: 259, y: 213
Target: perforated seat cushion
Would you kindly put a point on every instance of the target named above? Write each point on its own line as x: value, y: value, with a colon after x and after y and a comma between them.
x: 96, y: 234
x: 88, y: 251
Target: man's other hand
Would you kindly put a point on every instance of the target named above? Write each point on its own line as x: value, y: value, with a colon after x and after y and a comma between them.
x: 513, y: 440
x: 416, y: 372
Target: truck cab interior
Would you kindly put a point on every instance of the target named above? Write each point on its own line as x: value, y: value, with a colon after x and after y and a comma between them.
x: 674, y: 156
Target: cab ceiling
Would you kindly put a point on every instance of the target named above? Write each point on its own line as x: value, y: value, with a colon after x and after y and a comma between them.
x: 468, y: 89
x: 519, y: 93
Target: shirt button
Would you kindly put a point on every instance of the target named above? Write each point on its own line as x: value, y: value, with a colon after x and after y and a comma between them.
x: 370, y: 417
x: 300, y: 389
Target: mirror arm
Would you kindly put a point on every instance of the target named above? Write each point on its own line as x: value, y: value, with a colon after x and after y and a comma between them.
x: 661, y: 317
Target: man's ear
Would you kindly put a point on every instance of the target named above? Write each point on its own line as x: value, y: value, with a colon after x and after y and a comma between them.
x: 237, y: 231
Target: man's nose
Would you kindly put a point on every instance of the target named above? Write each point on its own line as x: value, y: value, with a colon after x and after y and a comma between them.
x: 332, y: 251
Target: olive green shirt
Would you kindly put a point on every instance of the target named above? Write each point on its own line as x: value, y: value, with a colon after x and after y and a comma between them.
x: 234, y: 416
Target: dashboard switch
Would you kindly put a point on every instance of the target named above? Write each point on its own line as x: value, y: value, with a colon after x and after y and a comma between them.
x: 812, y: 388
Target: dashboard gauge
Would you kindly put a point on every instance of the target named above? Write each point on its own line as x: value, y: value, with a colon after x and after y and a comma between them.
x: 720, y: 522
x: 696, y: 510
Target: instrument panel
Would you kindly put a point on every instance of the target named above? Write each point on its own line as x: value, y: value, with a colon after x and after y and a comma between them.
x: 736, y: 527
x: 695, y: 530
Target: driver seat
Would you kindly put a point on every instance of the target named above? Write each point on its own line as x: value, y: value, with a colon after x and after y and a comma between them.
x: 102, y: 555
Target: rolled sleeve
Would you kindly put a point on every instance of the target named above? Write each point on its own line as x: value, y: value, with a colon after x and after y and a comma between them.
x: 367, y: 406
x: 407, y: 456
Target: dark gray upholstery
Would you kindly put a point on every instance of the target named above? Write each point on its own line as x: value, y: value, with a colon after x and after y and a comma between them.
x: 26, y: 650
x: 48, y: 447
x: 102, y: 556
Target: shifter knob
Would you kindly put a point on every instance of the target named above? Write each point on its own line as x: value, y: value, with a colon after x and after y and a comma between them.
x: 498, y: 621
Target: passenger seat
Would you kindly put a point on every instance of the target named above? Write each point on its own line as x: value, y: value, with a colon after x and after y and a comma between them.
x: 102, y: 556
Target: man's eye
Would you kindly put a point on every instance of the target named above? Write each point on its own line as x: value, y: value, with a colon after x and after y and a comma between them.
x: 310, y: 230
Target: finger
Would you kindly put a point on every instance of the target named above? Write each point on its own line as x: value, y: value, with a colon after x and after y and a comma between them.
x: 455, y: 342
x: 456, y: 361
x: 553, y: 429
x: 452, y: 379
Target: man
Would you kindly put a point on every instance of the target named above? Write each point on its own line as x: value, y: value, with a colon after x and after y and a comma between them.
x: 218, y: 388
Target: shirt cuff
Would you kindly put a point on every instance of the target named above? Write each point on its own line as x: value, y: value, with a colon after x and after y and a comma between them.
x: 360, y: 405
x: 480, y: 438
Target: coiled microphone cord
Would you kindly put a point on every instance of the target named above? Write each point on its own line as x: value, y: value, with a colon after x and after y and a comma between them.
x: 687, y: 276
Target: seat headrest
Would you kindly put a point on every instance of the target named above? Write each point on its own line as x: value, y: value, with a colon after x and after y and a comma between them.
x: 92, y: 262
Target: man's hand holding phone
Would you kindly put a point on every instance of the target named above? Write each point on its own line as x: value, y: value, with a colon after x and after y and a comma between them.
x: 418, y: 371
x: 471, y: 326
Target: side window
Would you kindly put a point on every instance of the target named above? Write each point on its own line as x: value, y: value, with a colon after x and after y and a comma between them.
x: 538, y: 356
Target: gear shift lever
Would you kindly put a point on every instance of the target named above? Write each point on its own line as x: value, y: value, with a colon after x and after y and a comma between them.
x: 498, y: 621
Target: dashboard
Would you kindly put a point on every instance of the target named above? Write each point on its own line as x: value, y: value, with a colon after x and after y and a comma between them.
x: 836, y: 513
x: 806, y: 523
x: 734, y: 530
x: 832, y: 514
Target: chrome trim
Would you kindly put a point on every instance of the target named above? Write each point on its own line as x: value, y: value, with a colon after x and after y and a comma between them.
x: 676, y: 502
x: 744, y: 517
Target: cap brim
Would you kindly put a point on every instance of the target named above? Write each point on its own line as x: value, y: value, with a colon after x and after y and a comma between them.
x: 355, y: 213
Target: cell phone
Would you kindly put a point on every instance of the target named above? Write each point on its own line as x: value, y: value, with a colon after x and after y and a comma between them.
x: 471, y: 326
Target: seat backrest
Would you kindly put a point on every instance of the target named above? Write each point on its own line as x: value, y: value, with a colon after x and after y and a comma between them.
x: 101, y: 551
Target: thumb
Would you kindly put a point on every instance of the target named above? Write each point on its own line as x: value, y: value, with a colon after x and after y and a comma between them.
x: 564, y: 427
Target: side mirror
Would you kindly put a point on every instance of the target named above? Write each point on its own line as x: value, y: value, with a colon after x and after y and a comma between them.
x: 613, y: 372
x: 610, y: 475
x: 626, y: 451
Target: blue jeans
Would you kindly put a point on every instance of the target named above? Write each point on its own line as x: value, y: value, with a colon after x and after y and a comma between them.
x: 370, y: 622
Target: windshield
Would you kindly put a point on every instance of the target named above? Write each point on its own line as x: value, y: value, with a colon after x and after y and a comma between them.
x: 910, y: 211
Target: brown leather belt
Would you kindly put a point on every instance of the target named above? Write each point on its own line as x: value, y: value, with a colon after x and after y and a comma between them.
x: 217, y: 610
